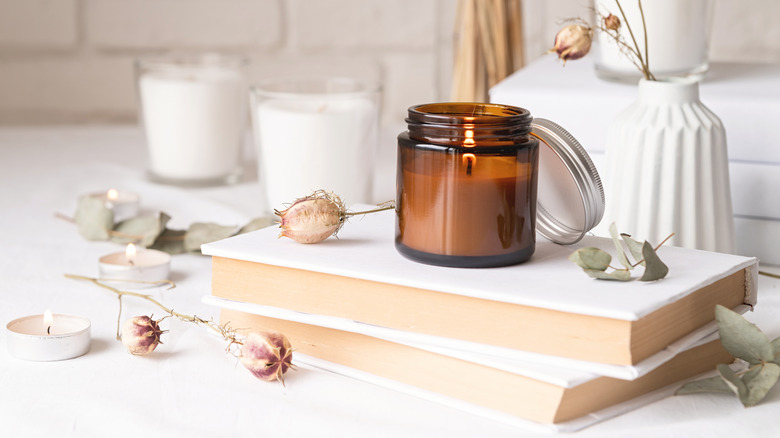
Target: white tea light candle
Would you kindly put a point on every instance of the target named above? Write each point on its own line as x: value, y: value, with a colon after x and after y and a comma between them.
x: 315, y: 134
x: 48, y: 337
x: 124, y: 204
x: 194, y: 115
x: 146, y: 265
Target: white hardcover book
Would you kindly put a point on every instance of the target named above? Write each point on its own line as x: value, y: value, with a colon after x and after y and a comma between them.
x: 554, y: 374
x: 560, y: 371
x: 365, y: 250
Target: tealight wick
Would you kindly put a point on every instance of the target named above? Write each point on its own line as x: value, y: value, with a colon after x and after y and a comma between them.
x: 48, y: 320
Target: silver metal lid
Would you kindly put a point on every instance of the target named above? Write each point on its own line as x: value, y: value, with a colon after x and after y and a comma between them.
x: 570, y: 197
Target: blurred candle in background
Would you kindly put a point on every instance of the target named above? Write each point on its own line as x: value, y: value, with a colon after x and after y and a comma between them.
x: 315, y: 134
x: 193, y: 110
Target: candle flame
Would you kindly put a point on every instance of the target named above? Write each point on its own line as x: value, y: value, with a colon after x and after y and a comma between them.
x: 469, y: 140
x: 112, y: 194
x: 130, y: 252
x: 48, y: 320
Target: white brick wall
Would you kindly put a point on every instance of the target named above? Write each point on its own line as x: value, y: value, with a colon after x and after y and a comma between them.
x: 64, y: 61
x: 160, y: 24
x: 38, y: 24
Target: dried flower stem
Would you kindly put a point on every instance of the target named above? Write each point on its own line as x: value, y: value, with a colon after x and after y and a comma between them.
x: 357, y: 213
x: 643, y: 62
x: 769, y: 274
x: 227, y: 333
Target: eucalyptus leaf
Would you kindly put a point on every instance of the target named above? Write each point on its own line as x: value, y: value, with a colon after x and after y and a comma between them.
x: 655, y: 269
x: 712, y: 384
x: 170, y: 241
x: 621, y: 254
x: 257, y: 223
x: 143, y: 230
x: 201, y: 233
x: 759, y: 384
x: 617, y: 274
x: 93, y: 218
x: 736, y: 385
x: 591, y: 258
x: 776, y: 348
x: 742, y: 338
x: 635, y: 247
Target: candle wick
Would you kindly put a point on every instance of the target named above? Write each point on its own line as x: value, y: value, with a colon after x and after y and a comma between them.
x: 131, y: 262
x: 48, y: 330
x: 469, y: 165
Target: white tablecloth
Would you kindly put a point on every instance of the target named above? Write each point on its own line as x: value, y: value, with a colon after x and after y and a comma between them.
x: 189, y: 386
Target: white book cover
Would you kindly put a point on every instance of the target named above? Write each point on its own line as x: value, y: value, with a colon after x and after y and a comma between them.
x: 365, y: 249
x: 532, y: 366
x: 560, y: 371
x: 520, y: 423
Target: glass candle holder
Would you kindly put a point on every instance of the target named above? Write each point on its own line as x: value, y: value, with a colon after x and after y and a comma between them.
x: 467, y: 185
x: 194, y: 111
x: 315, y: 133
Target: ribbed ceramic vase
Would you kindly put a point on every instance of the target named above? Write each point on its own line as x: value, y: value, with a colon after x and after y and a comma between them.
x: 667, y: 169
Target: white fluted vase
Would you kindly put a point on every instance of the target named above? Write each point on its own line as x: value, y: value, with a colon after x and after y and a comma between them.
x: 667, y: 169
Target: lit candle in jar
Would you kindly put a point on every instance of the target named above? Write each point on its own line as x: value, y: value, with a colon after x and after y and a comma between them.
x: 467, y: 185
x: 124, y: 204
x: 146, y: 265
x: 48, y: 337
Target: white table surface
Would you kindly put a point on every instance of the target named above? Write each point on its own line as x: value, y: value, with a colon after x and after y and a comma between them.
x: 189, y: 386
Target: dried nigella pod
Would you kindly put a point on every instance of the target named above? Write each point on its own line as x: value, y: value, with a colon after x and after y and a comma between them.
x: 611, y: 22
x: 313, y: 218
x: 141, y: 334
x: 267, y: 355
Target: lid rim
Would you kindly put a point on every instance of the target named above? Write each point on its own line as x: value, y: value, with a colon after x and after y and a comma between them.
x: 585, y: 176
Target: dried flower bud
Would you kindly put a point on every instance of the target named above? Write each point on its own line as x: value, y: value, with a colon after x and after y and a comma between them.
x: 267, y: 355
x: 611, y: 22
x: 313, y: 218
x: 573, y: 42
x: 141, y: 334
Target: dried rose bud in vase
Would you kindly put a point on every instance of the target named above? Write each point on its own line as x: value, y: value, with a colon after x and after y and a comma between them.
x: 141, y: 334
x: 573, y: 42
x: 611, y: 22
x: 267, y: 355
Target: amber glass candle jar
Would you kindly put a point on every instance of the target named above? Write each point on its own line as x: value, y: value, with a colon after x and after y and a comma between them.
x: 466, y: 185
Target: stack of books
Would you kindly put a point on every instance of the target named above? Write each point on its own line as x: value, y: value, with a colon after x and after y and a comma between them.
x: 538, y: 344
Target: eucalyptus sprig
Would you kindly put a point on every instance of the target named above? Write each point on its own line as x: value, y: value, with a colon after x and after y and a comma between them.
x: 595, y: 261
x: 744, y: 340
x: 95, y: 222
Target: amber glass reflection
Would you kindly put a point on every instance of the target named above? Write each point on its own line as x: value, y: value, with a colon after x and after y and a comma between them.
x: 466, y: 186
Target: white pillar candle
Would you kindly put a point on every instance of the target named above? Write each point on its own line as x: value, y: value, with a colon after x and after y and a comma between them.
x: 677, y: 37
x: 124, y: 204
x: 136, y: 265
x: 318, y: 138
x: 194, y: 115
x: 48, y: 337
